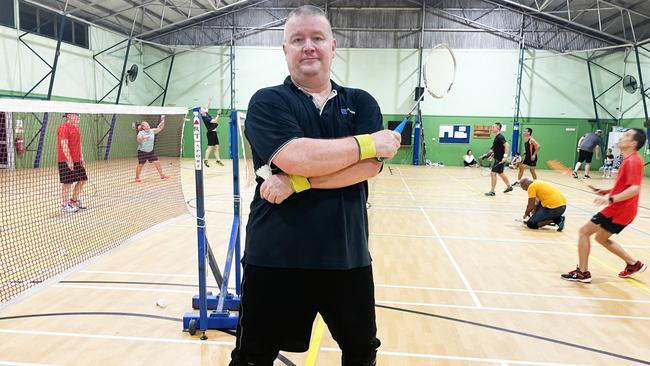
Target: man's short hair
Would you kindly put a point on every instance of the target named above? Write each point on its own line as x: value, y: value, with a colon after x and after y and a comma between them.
x: 498, y: 124
x: 600, y: 132
x: 306, y: 10
x: 639, y: 137
x: 530, y: 130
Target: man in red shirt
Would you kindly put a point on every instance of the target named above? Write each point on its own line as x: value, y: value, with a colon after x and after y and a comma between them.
x: 623, y: 202
x: 71, y: 162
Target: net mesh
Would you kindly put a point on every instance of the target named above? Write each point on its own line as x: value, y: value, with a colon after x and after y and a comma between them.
x: 38, y: 239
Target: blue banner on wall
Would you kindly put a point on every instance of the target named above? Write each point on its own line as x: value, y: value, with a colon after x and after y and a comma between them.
x: 454, y: 134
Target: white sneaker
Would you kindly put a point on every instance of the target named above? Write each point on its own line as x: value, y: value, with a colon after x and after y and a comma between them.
x: 79, y: 204
x: 69, y: 208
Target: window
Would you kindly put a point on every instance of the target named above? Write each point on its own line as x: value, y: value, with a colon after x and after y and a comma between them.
x: 46, y: 23
x: 7, y: 13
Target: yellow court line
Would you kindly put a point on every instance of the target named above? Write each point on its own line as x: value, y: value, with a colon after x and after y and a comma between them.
x: 314, y: 344
x: 635, y: 282
x: 461, y: 182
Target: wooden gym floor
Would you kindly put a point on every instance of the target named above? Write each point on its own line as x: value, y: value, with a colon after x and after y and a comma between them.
x: 458, y: 282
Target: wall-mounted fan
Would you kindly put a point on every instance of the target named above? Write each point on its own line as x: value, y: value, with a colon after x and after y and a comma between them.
x: 132, y: 73
x: 629, y: 84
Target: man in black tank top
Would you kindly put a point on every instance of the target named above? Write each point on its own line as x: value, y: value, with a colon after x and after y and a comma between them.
x: 531, y: 149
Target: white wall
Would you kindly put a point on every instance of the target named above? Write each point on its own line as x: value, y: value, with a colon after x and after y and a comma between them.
x: 78, y: 76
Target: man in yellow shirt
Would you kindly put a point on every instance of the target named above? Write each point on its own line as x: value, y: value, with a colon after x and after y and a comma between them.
x: 546, y: 204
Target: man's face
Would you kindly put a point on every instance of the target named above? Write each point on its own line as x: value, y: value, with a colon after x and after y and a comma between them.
x: 308, y: 47
x: 626, y: 141
x: 73, y: 118
x: 496, y: 129
x: 526, y: 134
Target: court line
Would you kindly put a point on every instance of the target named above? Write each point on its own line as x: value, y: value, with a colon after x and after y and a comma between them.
x: 14, y: 363
x: 133, y: 289
x: 519, y: 333
x: 461, y: 182
x: 408, y: 189
x: 462, y: 358
x: 477, y: 303
x: 500, y: 240
x: 423, y: 288
x: 314, y: 344
x: 117, y: 338
x: 142, y: 273
x: 513, y: 310
x: 526, y: 294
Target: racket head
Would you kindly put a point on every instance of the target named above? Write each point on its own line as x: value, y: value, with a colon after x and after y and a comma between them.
x: 559, y: 167
x: 440, y: 71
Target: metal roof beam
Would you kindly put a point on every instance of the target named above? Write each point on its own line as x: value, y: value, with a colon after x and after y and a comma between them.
x: 559, y: 19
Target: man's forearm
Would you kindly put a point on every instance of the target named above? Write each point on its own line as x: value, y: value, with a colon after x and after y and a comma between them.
x: 353, y: 174
x: 317, y: 157
x: 628, y: 193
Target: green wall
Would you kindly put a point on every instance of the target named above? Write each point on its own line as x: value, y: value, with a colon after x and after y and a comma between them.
x: 93, y: 128
x: 222, y: 132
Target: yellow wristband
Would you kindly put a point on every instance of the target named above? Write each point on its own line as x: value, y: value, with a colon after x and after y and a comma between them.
x: 367, y: 148
x: 299, y: 183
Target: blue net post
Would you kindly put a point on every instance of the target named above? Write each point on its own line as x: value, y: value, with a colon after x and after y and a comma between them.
x: 417, y: 141
x: 236, y: 235
x: 109, y: 141
x: 41, y: 141
x: 200, y: 223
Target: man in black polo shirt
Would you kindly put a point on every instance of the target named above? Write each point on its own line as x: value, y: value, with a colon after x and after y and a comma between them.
x: 501, y: 148
x: 307, y: 232
x: 213, y: 139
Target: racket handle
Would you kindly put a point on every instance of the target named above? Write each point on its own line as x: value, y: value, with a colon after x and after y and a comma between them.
x: 401, y: 125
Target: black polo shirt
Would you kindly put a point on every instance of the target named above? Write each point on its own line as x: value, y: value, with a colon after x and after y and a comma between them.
x: 499, y: 147
x: 207, y: 121
x: 317, y: 228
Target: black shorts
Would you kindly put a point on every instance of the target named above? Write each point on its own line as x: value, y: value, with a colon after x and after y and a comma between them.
x: 607, y: 224
x: 279, y: 305
x: 497, y: 166
x: 67, y: 176
x: 144, y: 156
x: 585, y: 156
x: 529, y: 162
x: 213, y: 139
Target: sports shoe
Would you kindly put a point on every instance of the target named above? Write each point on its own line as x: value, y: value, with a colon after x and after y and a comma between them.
x: 516, y: 183
x: 560, y: 224
x: 78, y: 203
x: 219, y: 162
x: 490, y: 193
x: 138, y: 180
x: 633, y: 269
x: 578, y: 276
x: 587, y: 176
x: 509, y: 189
x: 69, y: 208
x: 575, y: 174
x: 206, y: 163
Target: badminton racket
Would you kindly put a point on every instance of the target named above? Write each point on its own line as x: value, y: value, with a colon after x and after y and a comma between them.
x: 439, y: 73
x: 561, y: 168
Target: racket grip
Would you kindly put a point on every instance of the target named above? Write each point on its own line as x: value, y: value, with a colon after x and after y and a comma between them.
x: 401, y: 125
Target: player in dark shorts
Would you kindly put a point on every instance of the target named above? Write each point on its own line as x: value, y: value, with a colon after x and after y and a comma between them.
x: 531, y: 149
x: 501, y: 148
x: 213, y: 139
x: 146, y: 138
x: 71, y: 163
x: 587, y: 145
x: 623, y: 202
